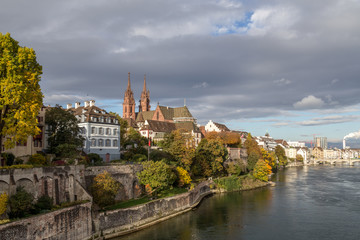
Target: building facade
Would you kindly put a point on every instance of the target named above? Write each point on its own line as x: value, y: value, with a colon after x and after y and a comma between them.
x: 100, y: 129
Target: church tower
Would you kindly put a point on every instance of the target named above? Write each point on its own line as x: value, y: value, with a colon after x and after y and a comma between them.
x: 129, y: 102
x: 144, y: 99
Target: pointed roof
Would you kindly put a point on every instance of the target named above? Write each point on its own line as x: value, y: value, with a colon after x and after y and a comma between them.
x: 129, y: 84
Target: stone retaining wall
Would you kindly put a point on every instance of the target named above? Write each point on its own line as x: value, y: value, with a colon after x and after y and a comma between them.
x: 65, y: 224
x: 122, y: 221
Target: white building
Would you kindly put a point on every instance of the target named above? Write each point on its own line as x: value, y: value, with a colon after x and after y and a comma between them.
x: 100, y: 129
x: 296, y: 144
x: 215, y: 127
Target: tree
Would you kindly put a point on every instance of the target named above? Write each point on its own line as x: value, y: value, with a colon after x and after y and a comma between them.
x: 183, y: 177
x: 157, y: 175
x: 63, y: 129
x: 181, y: 146
x: 20, y: 97
x: 3, y: 203
x: 210, y: 156
x: 281, y: 156
x: 262, y: 170
x: 299, y: 158
x: 104, y: 189
x: 269, y: 158
x: 21, y: 203
x: 253, y: 151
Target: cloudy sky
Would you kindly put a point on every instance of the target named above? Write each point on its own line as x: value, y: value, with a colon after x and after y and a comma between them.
x: 287, y: 67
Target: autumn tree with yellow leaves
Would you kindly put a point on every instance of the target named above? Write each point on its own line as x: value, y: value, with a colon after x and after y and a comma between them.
x: 104, y: 189
x: 20, y: 97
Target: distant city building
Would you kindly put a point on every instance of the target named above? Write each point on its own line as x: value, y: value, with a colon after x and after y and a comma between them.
x: 100, y: 129
x: 296, y: 144
x: 216, y: 127
x: 320, y: 142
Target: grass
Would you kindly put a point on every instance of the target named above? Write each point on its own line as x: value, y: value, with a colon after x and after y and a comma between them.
x: 134, y: 202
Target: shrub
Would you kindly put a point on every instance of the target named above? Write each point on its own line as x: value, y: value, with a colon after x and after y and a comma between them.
x: 231, y: 183
x: 183, y: 177
x: 20, y: 203
x: 37, y: 159
x: 262, y: 170
x: 95, y: 159
x: 9, y: 158
x: 66, y: 150
x: 18, y: 161
x: 139, y: 157
x: 20, y: 166
x: 3, y: 203
x: 44, y: 203
x: 104, y: 189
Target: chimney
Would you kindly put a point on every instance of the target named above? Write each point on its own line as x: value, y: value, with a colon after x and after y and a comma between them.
x: 92, y: 103
x: 86, y: 103
x: 77, y: 104
x: 68, y: 106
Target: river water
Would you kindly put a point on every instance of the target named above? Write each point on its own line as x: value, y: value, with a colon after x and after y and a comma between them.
x: 315, y: 202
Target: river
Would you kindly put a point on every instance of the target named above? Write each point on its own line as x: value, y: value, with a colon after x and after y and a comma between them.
x: 315, y: 202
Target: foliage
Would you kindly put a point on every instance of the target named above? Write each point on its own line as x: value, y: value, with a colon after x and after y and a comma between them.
x: 20, y: 166
x: 95, y: 159
x: 280, y: 154
x: 157, y: 155
x: 139, y: 157
x: 66, y: 150
x: 158, y: 175
x: 232, y: 183
x: 3, y: 203
x: 9, y: 158
x: 37, y: 159
x: 20, y: 97
x: 183, y: 177
x: 44, y: 203
x: 269, y: 158
x: 209, y: 158
x: 180, y: 144
x: 236, y: 167
x: 252, y: 160
x: 63, y: 129
x: 18, y: 161
x: 231, y: 139
x: 104, y: 189
x: 262, y: 170
x: 299, y: 158
x: 252, y: 146
x: 134, y: 138
x: 4, y: 221
x: 20, y: 203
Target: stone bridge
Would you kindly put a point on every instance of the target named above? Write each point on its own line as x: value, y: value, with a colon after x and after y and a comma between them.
x: 350, y: 162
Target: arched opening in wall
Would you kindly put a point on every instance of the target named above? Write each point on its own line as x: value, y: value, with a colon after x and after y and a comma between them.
x: 136, y: 189
x: 121, y: 195
x: 4, y: 187
x: 28, y: 185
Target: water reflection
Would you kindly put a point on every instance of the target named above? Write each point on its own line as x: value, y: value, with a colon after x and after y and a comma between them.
x: 307, y: 203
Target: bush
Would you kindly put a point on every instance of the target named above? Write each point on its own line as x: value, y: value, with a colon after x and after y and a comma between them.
x: 44, y: 203
x: 104, y: 189
x: 20, y: 203
x: 139, y: 158
x: 3, y: 203
x: 157, y: 155
x: 183, y: 177
x: 18, y: 161
x: 9, y: 158
x: 66, y: 150
x: 95, y: 159
x: 20, y: 166
x: 37, y: 159
x: 232, y: 183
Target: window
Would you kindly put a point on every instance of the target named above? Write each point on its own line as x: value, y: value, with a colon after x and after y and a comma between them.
x: 101, y: 131
x: 93, y: 130
x: 101, y: 143
x: 108, y: 143
x: 93, y: 143
x: 115, y: 143
x: 108, y: 131
x: 115, y: 131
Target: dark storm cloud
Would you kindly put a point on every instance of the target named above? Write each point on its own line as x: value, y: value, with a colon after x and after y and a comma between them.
x: 289, y: 56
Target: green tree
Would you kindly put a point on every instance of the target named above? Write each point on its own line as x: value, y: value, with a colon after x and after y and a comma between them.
x: 299, y: 158
x: 281, y: 156
x: 158, y: 175
x: 21, y: 203
x: 210, y: 156
x: 63, y: 129
x: 253, y: 151
x: 252, y: 160
x: 20, y: 97
x: 181, y: 146
x: 269, y: 158
x: 104, y: 189
x: 262, y: 170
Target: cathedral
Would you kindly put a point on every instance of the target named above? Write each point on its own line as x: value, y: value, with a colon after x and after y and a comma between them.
x: 154, y: 123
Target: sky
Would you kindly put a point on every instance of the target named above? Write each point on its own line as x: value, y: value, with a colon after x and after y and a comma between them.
x: 289, y: 68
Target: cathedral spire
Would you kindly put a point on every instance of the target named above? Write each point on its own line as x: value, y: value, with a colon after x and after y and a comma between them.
x: 129, y: 102
x: 145, y: 98
x: 129, y: 84
x: 144, y: 88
